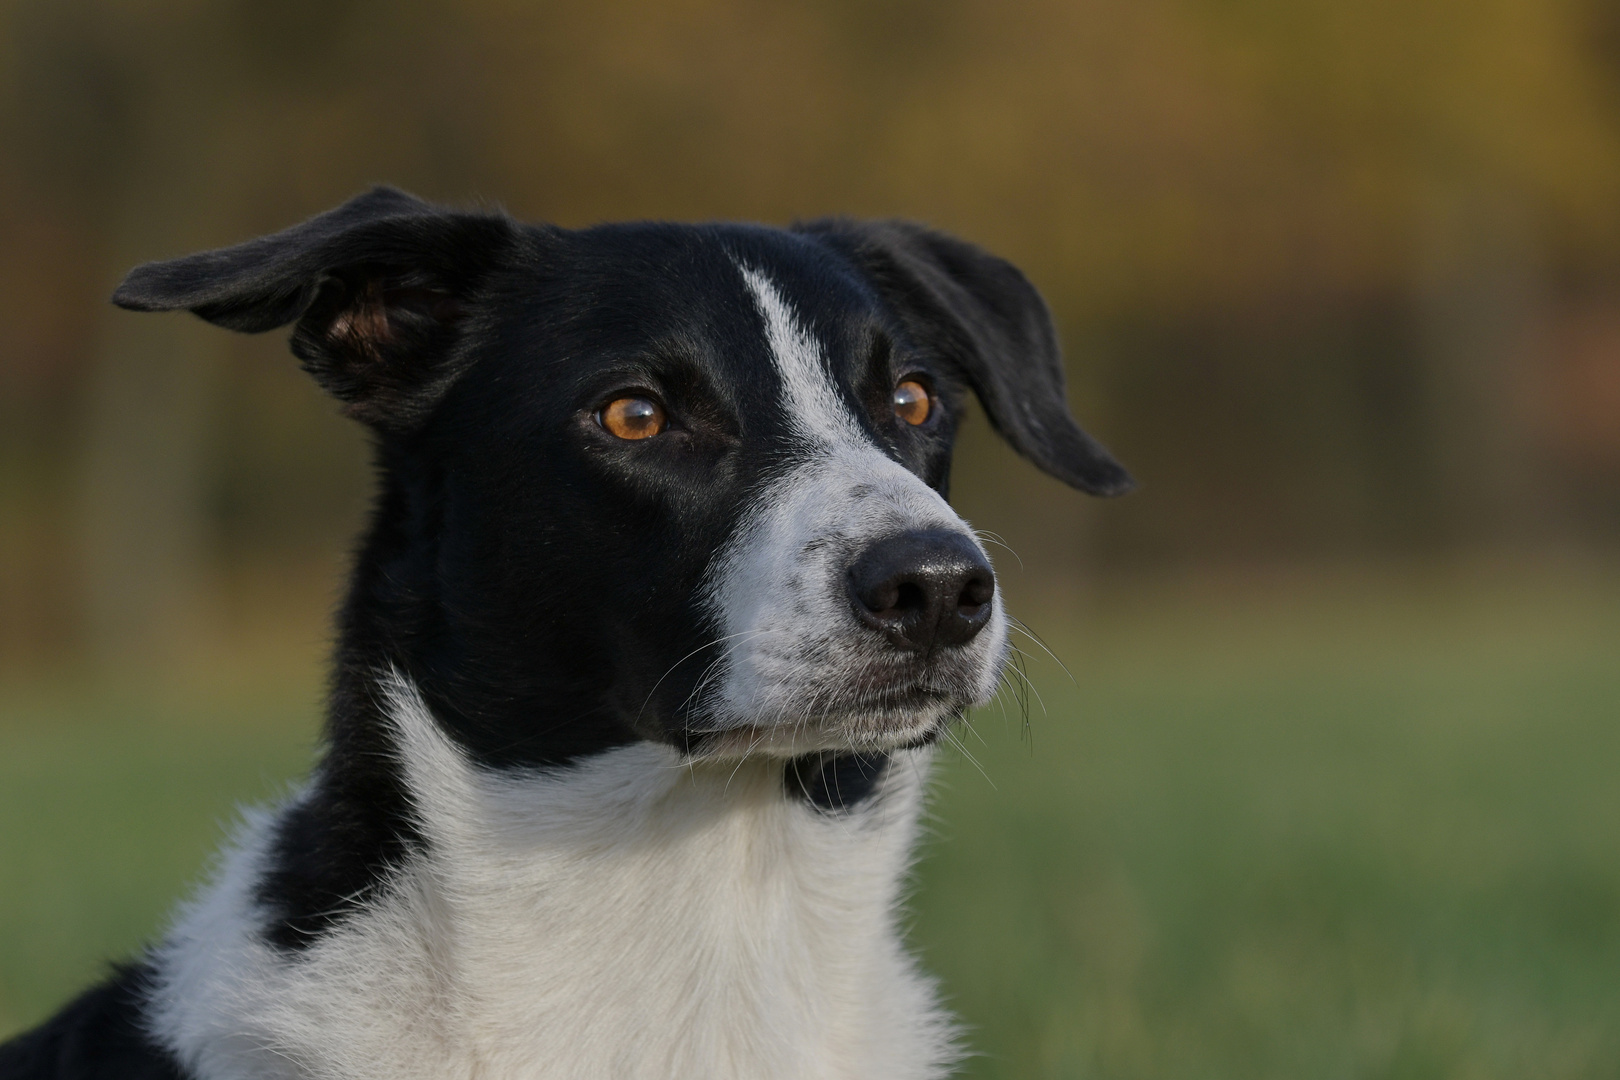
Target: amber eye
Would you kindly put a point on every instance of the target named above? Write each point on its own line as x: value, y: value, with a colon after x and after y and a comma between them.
x: 633, y: 417
x: 911, y: 402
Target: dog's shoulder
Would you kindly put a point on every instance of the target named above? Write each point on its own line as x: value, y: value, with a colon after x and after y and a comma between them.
x: 100, y: 1036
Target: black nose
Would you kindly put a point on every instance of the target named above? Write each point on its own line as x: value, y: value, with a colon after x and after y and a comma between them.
x: 925, y: 588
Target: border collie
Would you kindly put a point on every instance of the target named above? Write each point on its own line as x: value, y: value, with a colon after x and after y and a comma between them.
x: 659, y: 613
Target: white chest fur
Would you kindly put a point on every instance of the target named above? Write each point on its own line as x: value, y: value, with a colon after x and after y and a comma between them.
x: 631, y: 917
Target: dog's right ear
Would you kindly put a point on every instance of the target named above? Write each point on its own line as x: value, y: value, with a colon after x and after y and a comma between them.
x: 378, y: 287
x: 981, y: 314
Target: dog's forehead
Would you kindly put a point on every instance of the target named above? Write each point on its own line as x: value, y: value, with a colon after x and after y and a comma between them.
x: 753, y: 304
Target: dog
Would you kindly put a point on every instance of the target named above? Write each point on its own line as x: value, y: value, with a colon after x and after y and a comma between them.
x: 659, y: 613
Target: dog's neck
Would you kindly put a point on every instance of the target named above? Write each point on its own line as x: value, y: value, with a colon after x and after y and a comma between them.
x: 629, y: 915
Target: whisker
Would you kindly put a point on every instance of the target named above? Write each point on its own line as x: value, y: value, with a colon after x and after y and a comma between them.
x: 1000, y: 700
x: 1019, y: 691
x: 688, y: 656
x: 1023, y: 628
x: 995, y: 538
x: 965, y: 752
x: 968, y: 724
x: 747, y: 750
x: 1025, y: 679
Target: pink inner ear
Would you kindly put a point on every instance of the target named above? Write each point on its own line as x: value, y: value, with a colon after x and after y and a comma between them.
x: 363, y: 325
x: 368, y: 323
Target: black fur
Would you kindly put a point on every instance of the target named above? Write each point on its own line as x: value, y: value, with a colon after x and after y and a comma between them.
x: 537, y: 579
x: 377, y: 288
x: 100, y: 1036
x: 835, y: 782
x: 981, y: 314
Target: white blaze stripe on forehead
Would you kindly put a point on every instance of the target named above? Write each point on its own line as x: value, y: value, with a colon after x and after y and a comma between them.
x: 809, y: 397
x: 796, y: 669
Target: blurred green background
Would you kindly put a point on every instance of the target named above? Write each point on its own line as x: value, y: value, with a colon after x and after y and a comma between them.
x: 1331, y: 791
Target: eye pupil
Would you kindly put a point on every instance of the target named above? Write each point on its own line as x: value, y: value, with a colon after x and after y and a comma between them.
x: 633, y: 417
x: 911, y: 402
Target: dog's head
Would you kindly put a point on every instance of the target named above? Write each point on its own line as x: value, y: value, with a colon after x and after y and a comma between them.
x: 662, y: 481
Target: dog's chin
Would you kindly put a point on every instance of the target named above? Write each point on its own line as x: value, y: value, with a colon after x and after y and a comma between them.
x: 902, y: 719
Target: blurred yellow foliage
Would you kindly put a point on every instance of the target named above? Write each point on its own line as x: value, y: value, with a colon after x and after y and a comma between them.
x: 1317, y: 261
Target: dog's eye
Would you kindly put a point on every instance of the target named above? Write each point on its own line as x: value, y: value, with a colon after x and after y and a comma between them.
x: 633, y: 417
x: 911, y: 402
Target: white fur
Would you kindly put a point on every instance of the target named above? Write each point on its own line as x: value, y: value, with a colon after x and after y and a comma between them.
x: 636, y: 915
x: 810, y: 399
x: 796, y: 671
x: 630, y: 917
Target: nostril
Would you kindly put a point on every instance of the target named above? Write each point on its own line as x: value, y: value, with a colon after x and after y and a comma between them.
x: 978, y: 591
x: 923, y: 588
x: 892, y: 598
x: 879, y: 597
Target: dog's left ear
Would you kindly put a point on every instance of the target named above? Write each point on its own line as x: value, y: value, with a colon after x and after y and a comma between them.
x: 379, y: 289
x: 982, y: 314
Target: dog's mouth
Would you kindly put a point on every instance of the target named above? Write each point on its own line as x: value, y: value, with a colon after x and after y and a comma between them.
x: 876, y: 717
x: 905, y: 699
x: 791, y: 687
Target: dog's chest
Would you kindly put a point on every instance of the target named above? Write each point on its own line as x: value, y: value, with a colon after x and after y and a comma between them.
x: 630, y: 918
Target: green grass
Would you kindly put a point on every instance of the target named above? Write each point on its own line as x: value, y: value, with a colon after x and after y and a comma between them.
x: 109, y: 809
x: 1341, y: 830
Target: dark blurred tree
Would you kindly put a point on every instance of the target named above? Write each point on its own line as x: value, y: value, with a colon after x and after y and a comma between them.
x: 152, y: 125
x: 1308, y: 255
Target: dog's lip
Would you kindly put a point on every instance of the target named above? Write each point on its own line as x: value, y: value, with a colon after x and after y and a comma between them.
x: 874, y: 733
x: 910, y: 676
x: 904, y: 696
x: 873, y: 704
